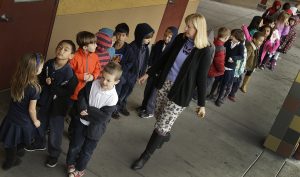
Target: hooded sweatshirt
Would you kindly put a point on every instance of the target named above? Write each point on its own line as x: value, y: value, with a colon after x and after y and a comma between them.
x: 139, y: 52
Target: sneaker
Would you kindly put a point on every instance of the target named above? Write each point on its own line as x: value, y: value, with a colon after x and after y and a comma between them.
x: 76, y: 174
x: 125, y: 112
x: 140, y: 110
x: 33, y: 147
x: 218, y: 103
x: 71, y: 168
x: 231, y: 98
x: 146, y: 116
x: 115, y: 115
x: 51, y: 162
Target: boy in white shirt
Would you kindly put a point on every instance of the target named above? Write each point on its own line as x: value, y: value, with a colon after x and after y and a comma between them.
x: 96, y: 102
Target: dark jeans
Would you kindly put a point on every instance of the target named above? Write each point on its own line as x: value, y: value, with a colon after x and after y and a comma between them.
x: 149, y: 96
x: 235, y: 85
x: 81, y: 148
x: 124, y: 89
x: 226, y: 84
x: 55, y: 124
x: 216, y: 84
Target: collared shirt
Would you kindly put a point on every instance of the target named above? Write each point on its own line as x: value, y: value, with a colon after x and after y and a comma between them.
x: 99, y: 97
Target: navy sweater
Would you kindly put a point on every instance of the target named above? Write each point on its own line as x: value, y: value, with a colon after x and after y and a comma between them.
x: 236, y: 53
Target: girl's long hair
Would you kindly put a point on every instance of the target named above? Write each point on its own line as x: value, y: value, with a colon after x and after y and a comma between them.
x: 25, y: 75
x: 254, y: 24
x: 199, y: 23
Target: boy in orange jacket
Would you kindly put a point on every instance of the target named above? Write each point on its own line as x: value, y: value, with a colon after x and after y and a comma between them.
x: 85, y: 65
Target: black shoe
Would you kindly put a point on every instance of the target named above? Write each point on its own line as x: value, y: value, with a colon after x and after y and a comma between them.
x: 115, y: 115
x: 21, y: 152
x: 139, y: 163
x: 33, y: 147
x: 125, y: 112
x: 7, y: 165
x: 51, y: 162
x: 218, y: 103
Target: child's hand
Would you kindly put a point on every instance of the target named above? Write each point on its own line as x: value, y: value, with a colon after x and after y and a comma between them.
x: 37, y: 123
x: 84, y: 113
x: 142, y: 79
x: 90, y: 77
x: 200, y: 112
x: 86, y: 76
x: 48, y: 80
x: 230, y: 60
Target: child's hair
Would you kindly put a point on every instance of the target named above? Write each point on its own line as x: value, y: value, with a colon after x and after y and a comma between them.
x: 282, y: 17
x: 199, y: 22
x: 223, y: 32
x: 149, y: 35
x: 113, y: 68
x: 286, y: 6
x: 254, y: 24
x: 85, y: 38
x: 122, y: 28
x: 238, y: 34
x: 71, y: 43
x: 258, y: 34
x: 266, y: 26
x: 268, y: 21
x: 25, y: 75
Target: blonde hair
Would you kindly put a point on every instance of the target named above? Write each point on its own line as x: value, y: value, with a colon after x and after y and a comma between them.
x: 25, y: 75
x: 199, y: 23
x: 113, y: 68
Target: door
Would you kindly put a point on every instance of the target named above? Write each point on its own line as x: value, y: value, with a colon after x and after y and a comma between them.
x: 25, y: 26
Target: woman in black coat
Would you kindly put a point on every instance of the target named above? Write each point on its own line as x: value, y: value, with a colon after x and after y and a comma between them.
x: 184, y: 67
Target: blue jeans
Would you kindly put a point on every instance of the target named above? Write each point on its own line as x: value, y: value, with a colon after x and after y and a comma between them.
x: 81, y: 148
x: 149, y: 96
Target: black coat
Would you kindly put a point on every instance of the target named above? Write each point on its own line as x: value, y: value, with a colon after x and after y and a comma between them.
x: 192, y: 74
x: 64, y: 82
x: 99, y: 118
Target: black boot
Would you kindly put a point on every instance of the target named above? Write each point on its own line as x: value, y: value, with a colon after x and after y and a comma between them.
x: 167, y: 138
x: 11, y: 158
x: 20, y: 150
x: 155, y: 141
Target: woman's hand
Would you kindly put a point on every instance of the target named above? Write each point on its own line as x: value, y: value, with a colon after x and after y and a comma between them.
x: 200, y: 112
x: 37, y: 123
x: 142, y: 79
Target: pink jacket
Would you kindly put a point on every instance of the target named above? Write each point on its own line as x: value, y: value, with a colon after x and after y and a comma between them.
x: 269, y: 47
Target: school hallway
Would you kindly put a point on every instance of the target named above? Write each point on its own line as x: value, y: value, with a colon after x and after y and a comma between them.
x: 227, y: 143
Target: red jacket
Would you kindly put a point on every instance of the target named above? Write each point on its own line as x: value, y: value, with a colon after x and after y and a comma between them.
x: 84, y: 63
x: 217, y: 67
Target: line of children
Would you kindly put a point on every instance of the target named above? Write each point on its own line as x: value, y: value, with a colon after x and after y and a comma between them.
x: 96, y: 102
x: 146, y: 110
x: 21, y: 119
x: 58, y: 84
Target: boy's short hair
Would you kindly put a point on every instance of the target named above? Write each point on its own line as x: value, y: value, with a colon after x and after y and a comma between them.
x: 238, y: 34
x: 258, y: 35
x: 113, y: 68
x: 149, y: 35
x: 85, y: 38
x: 223, y: 32
x: 71, y: 43
x: 122, y: 28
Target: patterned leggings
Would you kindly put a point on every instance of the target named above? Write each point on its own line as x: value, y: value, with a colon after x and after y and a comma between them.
x: 166, y: 111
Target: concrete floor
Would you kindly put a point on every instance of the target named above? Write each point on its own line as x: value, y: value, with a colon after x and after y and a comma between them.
x: 227, y: 143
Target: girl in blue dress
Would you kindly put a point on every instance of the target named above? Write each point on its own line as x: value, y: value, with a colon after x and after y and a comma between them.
x: 17, y: 127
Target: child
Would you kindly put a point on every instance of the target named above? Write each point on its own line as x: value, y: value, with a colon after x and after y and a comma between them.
x: 288, y: 41
x: 17, y: 127
x: 104, y: 43
x: 59, y: 82
x: 217, y: 67
x: 269, y: 48
x: 96, y: 102
x: 252, y: 57
x: 138, y: 55
x: 148, y: 104
x: 254, y: 26
x: 272, y: 12
x: 85, y: 64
